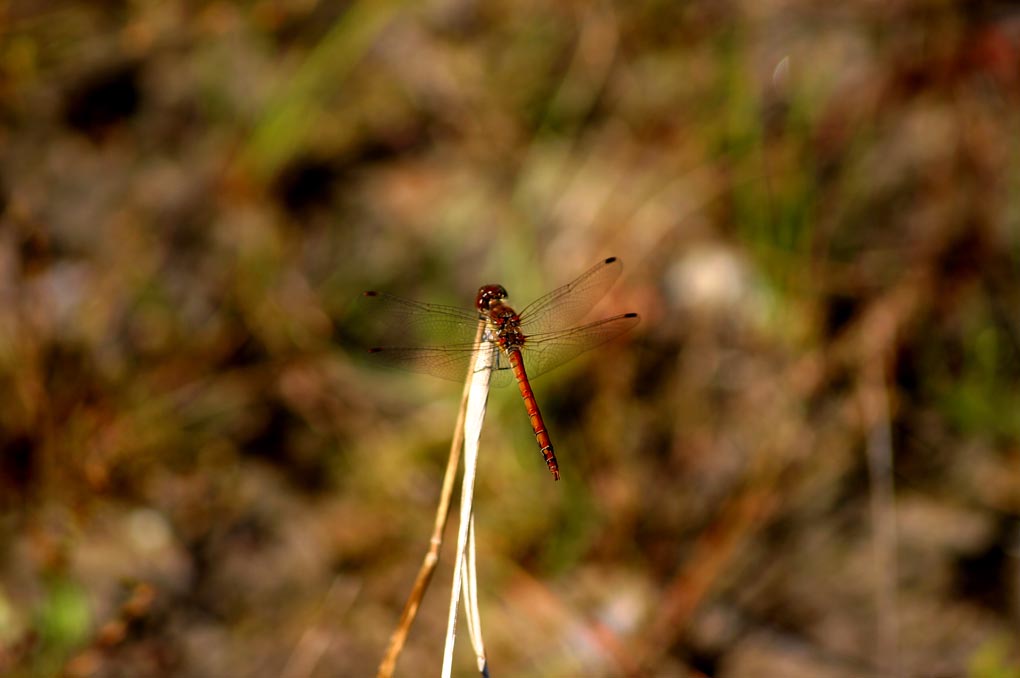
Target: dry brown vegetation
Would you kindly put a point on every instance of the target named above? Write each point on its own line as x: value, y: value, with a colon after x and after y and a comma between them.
x: 804, y: 462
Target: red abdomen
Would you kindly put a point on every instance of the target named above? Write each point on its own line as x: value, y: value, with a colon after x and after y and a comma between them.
x: 531, y: 405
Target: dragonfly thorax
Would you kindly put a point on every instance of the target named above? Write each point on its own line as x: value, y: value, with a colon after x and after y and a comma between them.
x: 504, y: 322
x: 507, y: 325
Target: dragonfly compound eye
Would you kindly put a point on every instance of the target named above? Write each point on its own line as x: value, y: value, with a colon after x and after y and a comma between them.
x: 487, y: 294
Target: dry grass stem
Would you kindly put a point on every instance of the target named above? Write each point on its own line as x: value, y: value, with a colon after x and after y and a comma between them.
x: 428, y: 566
x: 474, y: 618
x: 477, y: 399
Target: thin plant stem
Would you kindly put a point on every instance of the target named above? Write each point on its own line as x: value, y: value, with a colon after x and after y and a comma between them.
x: 477, y: 398
x: 431, y: 560
x: 474, y: 618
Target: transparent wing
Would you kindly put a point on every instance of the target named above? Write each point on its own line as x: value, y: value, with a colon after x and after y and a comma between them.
x: 565, y: 306
x: 428, y: 338
x: 545, y: 351
x: 402, y: 322
x: 541, y: 352
x: 440, y: 340
x: 445, y: 362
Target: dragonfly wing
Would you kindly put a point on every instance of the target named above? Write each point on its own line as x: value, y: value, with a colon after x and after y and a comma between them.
x: 427, y: 338
x: 502, y: 373
x: 565, y: 306
x: 403, y: 322
x: 545, y: 351
x: 445, y: 362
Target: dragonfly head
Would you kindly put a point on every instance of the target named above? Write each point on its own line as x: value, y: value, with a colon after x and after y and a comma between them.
x: 488, y: 294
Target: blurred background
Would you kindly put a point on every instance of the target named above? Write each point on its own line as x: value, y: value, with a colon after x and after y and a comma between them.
x: 805, y: 461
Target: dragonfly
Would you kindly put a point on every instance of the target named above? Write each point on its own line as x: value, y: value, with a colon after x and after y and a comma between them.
x: 443, y: 340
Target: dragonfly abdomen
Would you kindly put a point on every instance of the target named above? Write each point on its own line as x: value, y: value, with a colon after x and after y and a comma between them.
x: 531, y: 405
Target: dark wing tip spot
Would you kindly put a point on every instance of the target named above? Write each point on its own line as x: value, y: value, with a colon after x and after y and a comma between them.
x: 630, y: 315
x: 609, y: 260
x: 370, y: 293
x: 374, y: 350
